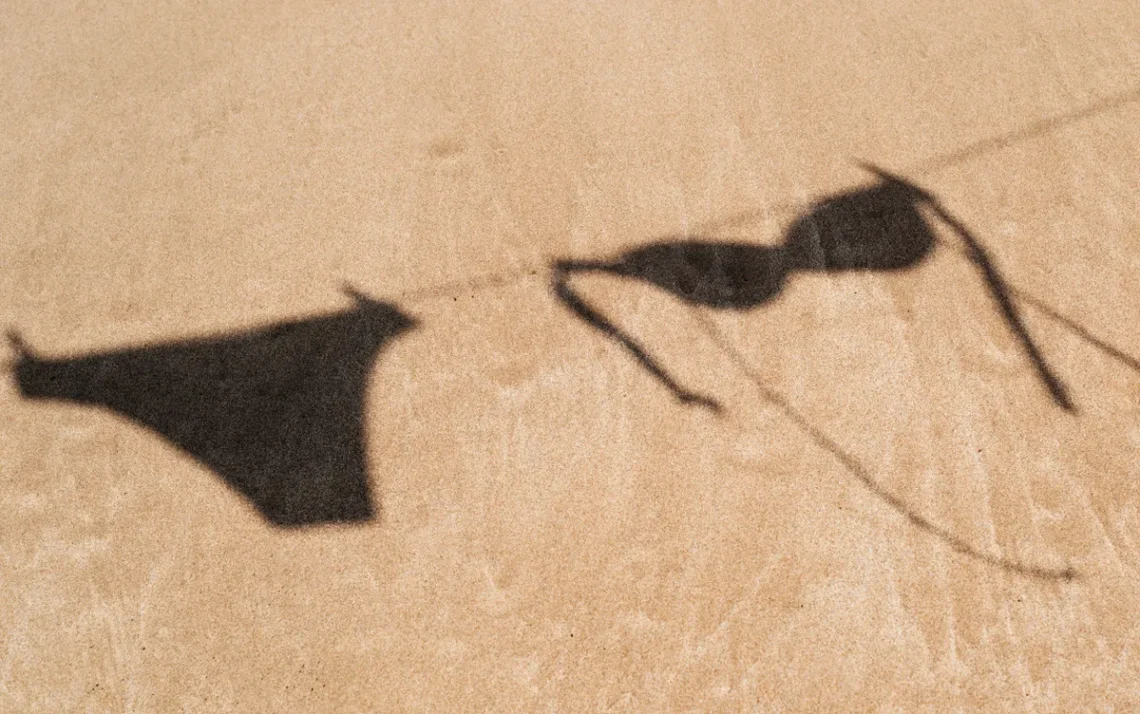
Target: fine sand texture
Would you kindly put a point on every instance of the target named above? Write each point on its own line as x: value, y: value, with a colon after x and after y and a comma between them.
x: 496, y: 356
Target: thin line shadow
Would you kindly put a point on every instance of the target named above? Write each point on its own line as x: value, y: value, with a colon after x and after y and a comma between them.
x: 477, y: 284
x: 1001, y: 290
x: 1124, y: 358
x: 981, y: 147
x: 863, y: 474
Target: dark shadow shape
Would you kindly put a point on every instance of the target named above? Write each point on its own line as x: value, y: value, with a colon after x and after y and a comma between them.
x: 879, y: 228
x: 276, y: 412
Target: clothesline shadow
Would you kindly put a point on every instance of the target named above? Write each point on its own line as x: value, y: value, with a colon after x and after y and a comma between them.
x: 276, y: 412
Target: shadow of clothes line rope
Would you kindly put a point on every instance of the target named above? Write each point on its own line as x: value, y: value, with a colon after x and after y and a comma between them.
x: 929, y: 166
x: 940, y: 162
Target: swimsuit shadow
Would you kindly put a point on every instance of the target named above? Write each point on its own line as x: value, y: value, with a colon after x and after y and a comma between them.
x: 880, y: 228
x: 276, y: 412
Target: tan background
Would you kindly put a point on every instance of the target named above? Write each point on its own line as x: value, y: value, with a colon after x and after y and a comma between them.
x: 558, y: 534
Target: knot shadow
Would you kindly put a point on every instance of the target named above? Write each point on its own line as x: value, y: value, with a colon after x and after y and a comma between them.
x: 276, y: 412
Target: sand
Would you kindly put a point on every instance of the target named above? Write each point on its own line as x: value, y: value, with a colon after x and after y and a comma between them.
x: 892, y: 511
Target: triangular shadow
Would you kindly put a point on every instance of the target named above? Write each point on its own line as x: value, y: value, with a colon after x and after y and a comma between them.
x: 276, y: 412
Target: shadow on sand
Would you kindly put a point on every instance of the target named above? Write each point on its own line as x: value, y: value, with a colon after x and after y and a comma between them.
x: 880, y: 228
x: 276, y: 412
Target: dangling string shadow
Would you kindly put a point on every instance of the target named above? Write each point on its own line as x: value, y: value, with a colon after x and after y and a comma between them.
x: 863, y: 474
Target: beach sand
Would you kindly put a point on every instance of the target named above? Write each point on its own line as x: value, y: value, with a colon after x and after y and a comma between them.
x: 203, y: 205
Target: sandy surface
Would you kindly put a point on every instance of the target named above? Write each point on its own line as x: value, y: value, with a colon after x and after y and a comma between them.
x: 890, y: 514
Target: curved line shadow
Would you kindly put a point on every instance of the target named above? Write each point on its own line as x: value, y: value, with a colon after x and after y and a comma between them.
x: 276, y: 412
x: 863, y: 474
